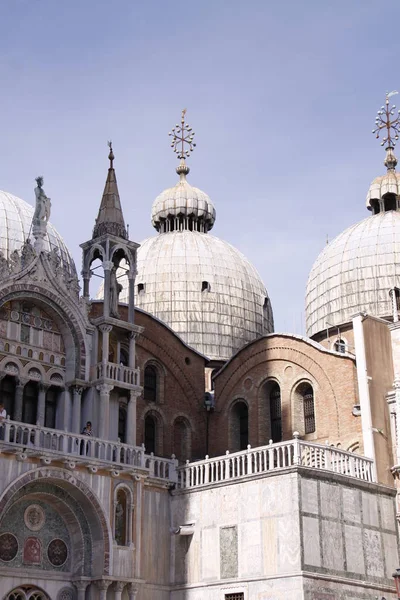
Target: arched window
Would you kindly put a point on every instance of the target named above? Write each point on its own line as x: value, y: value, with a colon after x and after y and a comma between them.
x: 213, y: 373
x: 7, y: 394
x: 121, y: 518
x: 30, y: 400
x: 275, y: 410
x: 150, y: 384
x: 340, y: 346
x: 122, y: 424
x: 150, y: 430
x: 309, y: 410
x: 51, y: 407
x: 239, y: 426
x: 181, y: 439
x: 27, y: 592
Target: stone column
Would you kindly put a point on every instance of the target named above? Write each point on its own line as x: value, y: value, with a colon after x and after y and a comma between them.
x: 131, y: 283
x: 41, y: 406
x: 394, y: 305
x: 107, y: 266
x: 396, y: 386
x: 105, y: 330
x: 86, y: 280
x: 132, y: 591
x: 102, y: 585
x: 76, y: 408
x: 131, y: 419
x: 104, y: 410
x: 118, y: 587
x: 132, y: 350
x: 81, y: 588
x: 19, y: 393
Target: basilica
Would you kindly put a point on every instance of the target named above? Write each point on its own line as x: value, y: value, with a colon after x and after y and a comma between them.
x: 158, y: 439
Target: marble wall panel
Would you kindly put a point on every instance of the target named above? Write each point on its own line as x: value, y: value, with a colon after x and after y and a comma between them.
x: 330, y: 500
x: 373, y: 553
x: 332, y: 545
x: 309, y: 496
x: 210, y: 553
x: 370, y: 509
x: 354, y: 549
x: 387, y: 506
x: 391, y: 553
x: 351, y: 505
x: 311, y: 542
x: 228, y: 545
x: 250, y: 549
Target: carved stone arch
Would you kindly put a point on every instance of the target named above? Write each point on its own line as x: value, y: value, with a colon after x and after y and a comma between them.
x: 37, y: 366
x: 159, y: 419
x: 70, y: 323
x: 53, y: 372
x: 297, y: 405
x: 82, y: 495
x: 27, y: 592
x: 12, y: 360
x: 90, y: 257
x: 161, y: 373
x: 129, y: 258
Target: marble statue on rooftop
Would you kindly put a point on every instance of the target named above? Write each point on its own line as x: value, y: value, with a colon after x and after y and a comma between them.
x: 43, y: 203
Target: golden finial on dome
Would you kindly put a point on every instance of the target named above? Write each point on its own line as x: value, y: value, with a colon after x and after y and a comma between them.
x: 391, y: 128
x: 182, y: 142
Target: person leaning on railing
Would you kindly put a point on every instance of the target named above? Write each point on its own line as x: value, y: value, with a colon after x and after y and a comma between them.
x: 3, y: 415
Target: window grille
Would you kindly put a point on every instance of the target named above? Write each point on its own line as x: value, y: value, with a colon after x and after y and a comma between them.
x: 236, y: 596
x: 276, y: 413
x: 309, y: 411
x: 340, y: 346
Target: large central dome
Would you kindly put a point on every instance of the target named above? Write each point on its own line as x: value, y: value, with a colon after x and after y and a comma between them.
x: 201, y: 286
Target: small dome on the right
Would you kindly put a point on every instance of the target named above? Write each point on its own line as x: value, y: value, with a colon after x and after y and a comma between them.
x: 358, y: 269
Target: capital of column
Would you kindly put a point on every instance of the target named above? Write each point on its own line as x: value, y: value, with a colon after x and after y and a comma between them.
x: 76, y: 389
x: 119, y: 585
x: 104, y: 388
x: 43, y: 387
x: 132, y: 591
x: 80, y: 585
x: 108, y: 265
x: 133, y: 335
x: 102, y: 584
x: 21, y: 382
x: 134, y: 394
x: 105, y: 328
x: 132, y: 273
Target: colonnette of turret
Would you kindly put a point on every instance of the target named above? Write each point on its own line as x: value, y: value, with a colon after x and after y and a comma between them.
x: 158, y: 441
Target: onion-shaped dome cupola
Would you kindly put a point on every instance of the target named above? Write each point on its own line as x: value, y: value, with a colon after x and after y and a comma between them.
x: 201, y: 286
x: 357, y: 270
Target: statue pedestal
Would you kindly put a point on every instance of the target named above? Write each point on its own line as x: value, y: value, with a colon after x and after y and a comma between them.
x: 39, y: 231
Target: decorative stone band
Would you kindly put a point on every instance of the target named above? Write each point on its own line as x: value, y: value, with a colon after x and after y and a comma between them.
x: 93, y: 452
x: 274, y: 457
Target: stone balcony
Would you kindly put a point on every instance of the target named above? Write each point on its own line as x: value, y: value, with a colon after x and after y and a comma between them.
x: 53, y: 445
x: 117, y: 374
x: 254, y: 462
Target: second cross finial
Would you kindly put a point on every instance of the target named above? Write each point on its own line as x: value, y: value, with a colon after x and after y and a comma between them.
x: 391, y: 129
x: 111, y: 154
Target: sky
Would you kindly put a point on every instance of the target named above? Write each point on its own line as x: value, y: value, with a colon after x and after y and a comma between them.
x: 282, y: 97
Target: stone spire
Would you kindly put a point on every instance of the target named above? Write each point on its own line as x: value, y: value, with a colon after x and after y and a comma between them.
x: 110, y: 218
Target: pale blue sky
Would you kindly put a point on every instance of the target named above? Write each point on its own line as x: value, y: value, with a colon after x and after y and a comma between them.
x: 282, y: 96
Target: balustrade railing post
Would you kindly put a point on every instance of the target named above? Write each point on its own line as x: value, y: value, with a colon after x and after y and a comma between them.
x: 36, y: 437
x: 328, y: 456
x: 6, y: 429
x: 352, y: 466
x: 249, y: 460
x: 296, y: 449
x: 207, y: 470
x: 173, y: 469
x: 271, y: 464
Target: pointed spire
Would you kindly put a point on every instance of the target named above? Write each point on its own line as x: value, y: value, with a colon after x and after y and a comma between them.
x: 110, y: 218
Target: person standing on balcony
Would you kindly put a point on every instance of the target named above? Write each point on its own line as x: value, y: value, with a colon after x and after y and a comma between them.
x: 87, y: 430
x: 3, y: 415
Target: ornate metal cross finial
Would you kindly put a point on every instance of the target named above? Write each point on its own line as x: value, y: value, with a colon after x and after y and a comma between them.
x: 111, y: 154
x: 182, y: 138
x: 383, y: 122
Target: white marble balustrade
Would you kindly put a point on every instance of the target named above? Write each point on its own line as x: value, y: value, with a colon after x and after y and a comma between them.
x: 255, y: 461
x: 62, y: 445
x: 119, y: 373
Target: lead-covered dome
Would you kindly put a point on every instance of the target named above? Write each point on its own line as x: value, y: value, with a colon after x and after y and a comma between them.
x: 204, y: 289
x: 354, y: 273
x: 15, y: 227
